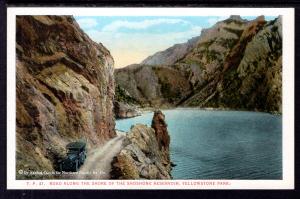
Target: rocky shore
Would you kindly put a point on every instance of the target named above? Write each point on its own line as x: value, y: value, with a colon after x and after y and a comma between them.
x: 123, y: 110
x: 146, y: 152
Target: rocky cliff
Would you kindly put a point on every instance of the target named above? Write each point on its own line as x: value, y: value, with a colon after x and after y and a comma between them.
x: 249, y: 76
x: 234, y: 64
x: 146, y: 152
x: 65, y: 90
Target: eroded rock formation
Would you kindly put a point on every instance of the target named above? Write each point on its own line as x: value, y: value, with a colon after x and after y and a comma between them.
x: 161, y: 132
x: 146, y: 152
x: 65, y: 89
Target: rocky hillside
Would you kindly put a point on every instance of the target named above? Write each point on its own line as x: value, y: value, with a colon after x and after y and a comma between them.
x: 146, y: 152
x: 153, y: 85
x: 235, y: 64
x: 65, y: 90
x: 248, y: 77
x: 171, y: 55
x: 124, y: 104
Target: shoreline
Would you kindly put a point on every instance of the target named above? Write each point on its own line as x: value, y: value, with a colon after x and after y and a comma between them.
x: 151, y: 109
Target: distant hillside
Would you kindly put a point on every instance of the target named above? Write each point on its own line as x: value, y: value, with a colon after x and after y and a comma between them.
x: 234, y: 64
x: 152, y: 85
x: 171, y: 55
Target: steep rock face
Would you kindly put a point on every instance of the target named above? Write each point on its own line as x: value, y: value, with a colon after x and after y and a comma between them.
x: 171, y: 55
x: 146, y: 152
x: 65, y: 88
x: 204, y: 62
x: 251, y: 74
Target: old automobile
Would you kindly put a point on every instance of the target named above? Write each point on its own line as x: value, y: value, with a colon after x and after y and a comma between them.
x: 76, y: 155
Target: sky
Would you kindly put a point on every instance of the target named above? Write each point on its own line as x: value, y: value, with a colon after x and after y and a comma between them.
x: 131, y: 39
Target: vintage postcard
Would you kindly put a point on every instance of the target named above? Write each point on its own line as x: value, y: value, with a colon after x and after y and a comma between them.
x: 150, y: 98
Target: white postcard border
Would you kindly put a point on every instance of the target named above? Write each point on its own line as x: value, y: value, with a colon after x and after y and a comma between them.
x: 287, y: 97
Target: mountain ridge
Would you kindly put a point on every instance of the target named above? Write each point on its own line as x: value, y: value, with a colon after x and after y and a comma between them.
x: 172, y: 54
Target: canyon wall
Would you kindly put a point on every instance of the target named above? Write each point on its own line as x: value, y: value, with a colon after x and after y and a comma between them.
x: 65, y: 90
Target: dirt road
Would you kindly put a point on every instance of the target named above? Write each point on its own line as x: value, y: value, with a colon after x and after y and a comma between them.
x: 98, y: 162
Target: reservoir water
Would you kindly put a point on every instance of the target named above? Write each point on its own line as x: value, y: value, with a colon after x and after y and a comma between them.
x: 221, y: 144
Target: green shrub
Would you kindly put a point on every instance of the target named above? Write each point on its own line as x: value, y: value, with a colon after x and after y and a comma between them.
x: 122, y: 96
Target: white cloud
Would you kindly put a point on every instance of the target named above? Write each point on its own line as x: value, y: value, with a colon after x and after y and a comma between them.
x: 114, y: 26
x: 213, y: 20
x: 134, y: 46
x: 87, y: 23
x: 129, y: 48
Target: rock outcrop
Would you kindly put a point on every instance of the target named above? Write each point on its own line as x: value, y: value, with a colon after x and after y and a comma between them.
x: 65, y: 90
x: 123, y: 110
x: 162, y: 135
x: 235, y: 64
x: 146, y: 152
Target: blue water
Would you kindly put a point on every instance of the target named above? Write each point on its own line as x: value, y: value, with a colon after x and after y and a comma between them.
x: 221, y: 144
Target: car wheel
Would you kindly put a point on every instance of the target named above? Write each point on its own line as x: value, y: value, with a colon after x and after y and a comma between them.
x: 76, y: 165
x: 60, y: 167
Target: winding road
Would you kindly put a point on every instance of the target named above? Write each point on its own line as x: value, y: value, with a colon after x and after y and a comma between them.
x: 98, y: 162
